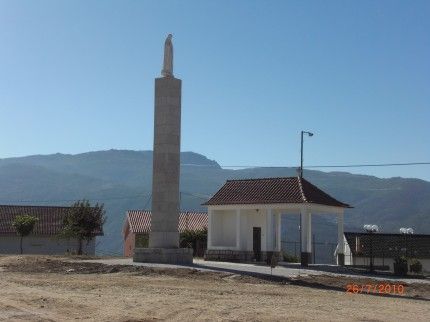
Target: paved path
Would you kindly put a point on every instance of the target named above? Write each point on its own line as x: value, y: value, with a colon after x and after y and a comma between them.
x: 283, y: 270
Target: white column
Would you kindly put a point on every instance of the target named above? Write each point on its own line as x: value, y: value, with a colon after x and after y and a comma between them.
x: 309, y: 246
x: 244, y: 231
x: 340, y: 235
x: 306, y: 229
x: 269, y: 230
x: 210, y: 227
x: 238, y: 229
x: 279, y: 231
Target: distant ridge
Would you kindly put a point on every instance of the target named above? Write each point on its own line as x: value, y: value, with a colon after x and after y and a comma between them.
x: 122, y: 180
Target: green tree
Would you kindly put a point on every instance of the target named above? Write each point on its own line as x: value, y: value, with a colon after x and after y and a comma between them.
x: 83, y: 222
x: 24, y: 225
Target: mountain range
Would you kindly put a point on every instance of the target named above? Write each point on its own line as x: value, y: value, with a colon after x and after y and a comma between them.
x: 121, y: 179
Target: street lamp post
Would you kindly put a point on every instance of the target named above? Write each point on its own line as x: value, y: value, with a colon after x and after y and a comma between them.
x: 301, y: 176
x: 301, y: 150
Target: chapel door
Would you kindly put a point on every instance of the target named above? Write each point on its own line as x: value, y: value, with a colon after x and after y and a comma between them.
x: 256, y: 243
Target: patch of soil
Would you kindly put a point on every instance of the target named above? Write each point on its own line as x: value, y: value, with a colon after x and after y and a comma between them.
x: 64, y: 265
x: 47, y: 264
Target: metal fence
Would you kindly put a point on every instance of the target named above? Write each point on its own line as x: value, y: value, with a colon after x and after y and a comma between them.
x: 322, y: 252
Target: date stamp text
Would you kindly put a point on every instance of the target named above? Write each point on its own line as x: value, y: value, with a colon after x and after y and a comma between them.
x: 375, y: 289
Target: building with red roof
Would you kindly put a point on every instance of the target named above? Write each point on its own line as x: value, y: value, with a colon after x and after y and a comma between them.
x: 244, y: 217
x: 137, y: 225
x: 44, y: 238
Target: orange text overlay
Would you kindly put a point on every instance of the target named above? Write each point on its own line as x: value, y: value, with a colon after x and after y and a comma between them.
x: 376, y: 289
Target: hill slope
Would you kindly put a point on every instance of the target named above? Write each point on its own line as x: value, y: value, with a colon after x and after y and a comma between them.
x: 122, y: 180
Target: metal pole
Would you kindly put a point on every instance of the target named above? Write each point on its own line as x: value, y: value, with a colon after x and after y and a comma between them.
x: 300, y: 237
x: 371, y: 254
x: 301, y: 176
x: 383, y: 259
x: 301, y: 154
x: 313, y: 246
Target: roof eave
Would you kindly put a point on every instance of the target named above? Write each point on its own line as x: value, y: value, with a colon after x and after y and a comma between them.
x: 322, y: 208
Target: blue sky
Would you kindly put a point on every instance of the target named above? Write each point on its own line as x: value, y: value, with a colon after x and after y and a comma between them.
x: 77, y: 76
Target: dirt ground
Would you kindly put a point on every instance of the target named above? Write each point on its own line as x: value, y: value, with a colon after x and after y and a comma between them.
x: 56, y: 289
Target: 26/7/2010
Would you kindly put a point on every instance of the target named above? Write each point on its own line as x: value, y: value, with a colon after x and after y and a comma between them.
x: 375, y: 289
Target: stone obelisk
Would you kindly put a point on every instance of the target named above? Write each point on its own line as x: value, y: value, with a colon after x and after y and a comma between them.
x: 164, y: 235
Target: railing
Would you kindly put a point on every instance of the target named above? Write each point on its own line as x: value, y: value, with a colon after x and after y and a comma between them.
x: 322, y: 252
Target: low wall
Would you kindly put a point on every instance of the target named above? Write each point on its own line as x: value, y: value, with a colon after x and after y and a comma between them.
x: 44, y: 245
x: 237, y: 256
x: 379, y: 261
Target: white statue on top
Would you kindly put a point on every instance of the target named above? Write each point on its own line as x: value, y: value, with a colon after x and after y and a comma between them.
x: 167, y: 70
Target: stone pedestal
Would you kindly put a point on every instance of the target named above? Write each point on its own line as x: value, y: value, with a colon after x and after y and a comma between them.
x: 177, y: 256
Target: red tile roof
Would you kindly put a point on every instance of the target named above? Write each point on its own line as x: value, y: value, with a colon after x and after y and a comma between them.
x: 272, y: 191
x: 50, y: 218
x: 140, y: 221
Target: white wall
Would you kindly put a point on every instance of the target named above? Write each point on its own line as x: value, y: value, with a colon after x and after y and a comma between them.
x: 244, y: 242
x: 254, y: 219
x: 223, y: 231
x: 348, y: 257
x: 43, y: 245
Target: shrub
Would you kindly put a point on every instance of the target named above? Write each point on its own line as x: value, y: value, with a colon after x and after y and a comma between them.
x: 416, y: 266
x: 142, y: 240
x: 401, y: 266
x: 290, y: 258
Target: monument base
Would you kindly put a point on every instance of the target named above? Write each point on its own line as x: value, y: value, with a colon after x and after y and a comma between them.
x: 177, y: 256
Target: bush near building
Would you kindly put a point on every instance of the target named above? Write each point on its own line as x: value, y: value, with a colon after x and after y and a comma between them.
x: 195, y: 239
x: 401, y: 266
x: 290, y: 258
x: 416, y: 266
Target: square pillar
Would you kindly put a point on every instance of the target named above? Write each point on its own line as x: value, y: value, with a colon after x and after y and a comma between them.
x: 340, y: 240
x: 210, y: 227
x: 244, y: 232
x: 269, y: 231
x: 238, y: 229
x: 306, y: 237
x: 279, y: 232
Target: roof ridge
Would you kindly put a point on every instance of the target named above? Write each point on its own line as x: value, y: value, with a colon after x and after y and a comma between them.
x: 259, y: 179
x: 35, y: 206
x: 302, y: 192
x: 386, y: 234
x: 180, y: 212
x: 138, y: 210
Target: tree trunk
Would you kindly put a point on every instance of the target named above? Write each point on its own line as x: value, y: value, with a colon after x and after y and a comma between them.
x: 80, y: 246
x: 20, y: 244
